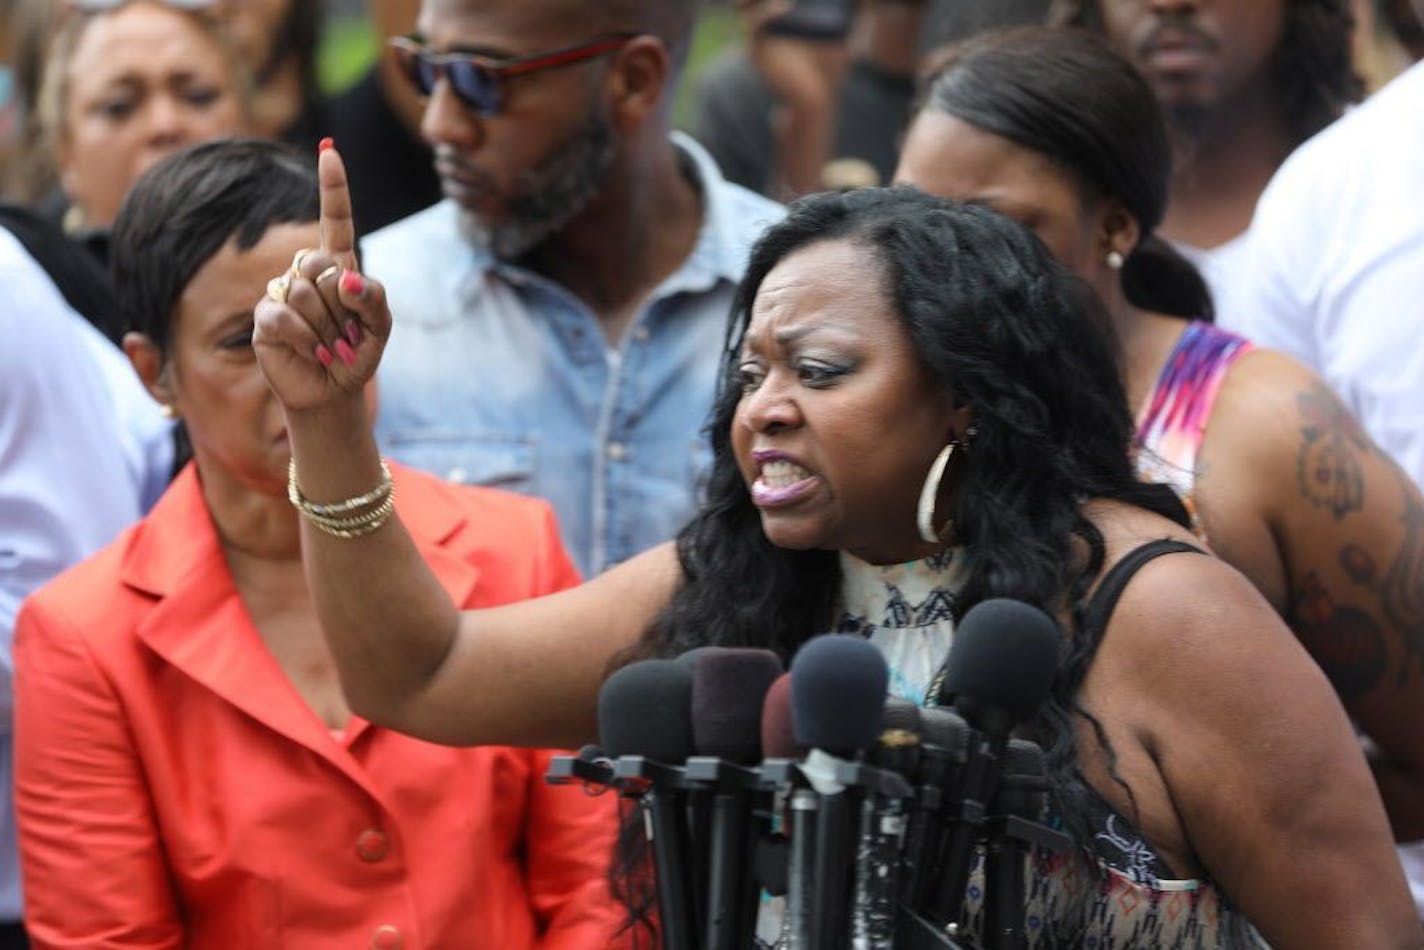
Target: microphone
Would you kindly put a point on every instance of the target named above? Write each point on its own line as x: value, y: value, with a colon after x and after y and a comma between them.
x: 882, y: 829
x: 838, y: 688
x: 1019, y: 804
x: 728, y: 691
x: 645, y: 721
x: 1000, y: 668
x: 791, y: 854
x: 778, y: 737
x: 944, y: 751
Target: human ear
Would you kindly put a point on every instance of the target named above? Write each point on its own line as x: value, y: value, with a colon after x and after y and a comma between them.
x: 152, y: 368
x: 638, y: 81
x: 1117, y: 229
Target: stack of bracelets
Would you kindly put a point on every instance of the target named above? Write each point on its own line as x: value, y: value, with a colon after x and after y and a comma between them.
x: 336, y: 519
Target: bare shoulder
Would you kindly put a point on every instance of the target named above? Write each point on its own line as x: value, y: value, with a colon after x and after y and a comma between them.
x: 1183, y: 597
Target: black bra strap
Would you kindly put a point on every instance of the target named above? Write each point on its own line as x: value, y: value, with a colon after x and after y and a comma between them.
x: 1105, y: 598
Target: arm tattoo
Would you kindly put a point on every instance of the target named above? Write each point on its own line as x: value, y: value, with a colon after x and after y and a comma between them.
x: 1401, y: 589
x: 1328, y: 468
x: 1347, y: 643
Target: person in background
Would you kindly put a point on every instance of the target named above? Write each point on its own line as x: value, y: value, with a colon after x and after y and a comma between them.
x: 29, y: 172
x: 1380, y: 51
x: 1337, y: 254
x: 1243, y: 83
x: 187, y: 772
x: 787, y: 115
x: 71, y: 416
x: 377, y: 121
x: 1055, y: 130
x: 915, y: 393
x: 277, y: 42
x: 561, y: 311
x: 124, y: 86
x: 1336, y: 280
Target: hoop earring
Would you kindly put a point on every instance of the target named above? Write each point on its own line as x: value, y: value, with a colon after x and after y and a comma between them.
x: 929, y: 494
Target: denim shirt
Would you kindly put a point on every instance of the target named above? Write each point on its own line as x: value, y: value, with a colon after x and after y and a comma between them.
x: 495, y: 375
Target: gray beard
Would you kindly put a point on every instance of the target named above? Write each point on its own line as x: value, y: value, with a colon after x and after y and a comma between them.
x: 548, y: 196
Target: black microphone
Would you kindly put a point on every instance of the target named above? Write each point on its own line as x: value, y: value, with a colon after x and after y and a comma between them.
x: 837, y: 692
x: 645, y: 720
x: 882, y: 828
x: 697, y: 800
x: 944, y: 751
x: 1000, y: 668
x: 778, y: 742
x: 728, y: 691
x: 1013, y: 831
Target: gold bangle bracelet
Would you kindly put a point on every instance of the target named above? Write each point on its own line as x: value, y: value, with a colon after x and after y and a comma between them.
x: 357, y: 527
x: 375, y: 496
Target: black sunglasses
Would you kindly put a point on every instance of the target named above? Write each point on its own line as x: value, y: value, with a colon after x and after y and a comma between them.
x: 478, y: 81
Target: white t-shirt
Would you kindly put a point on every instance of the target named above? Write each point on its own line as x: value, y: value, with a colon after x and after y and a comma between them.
x: 1336, y: 270
x: 1225, y: 268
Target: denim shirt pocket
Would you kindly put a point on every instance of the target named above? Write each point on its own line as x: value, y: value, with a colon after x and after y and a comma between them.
x: 469, y: 458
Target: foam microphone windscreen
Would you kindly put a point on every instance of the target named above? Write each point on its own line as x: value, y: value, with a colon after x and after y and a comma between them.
x: 838, y: 687
x: 1003, y: 660
x: 645, y: 709
x: 778, y: 741
x: 900, y: 716
x: 945, y: 729
x: 728, y: 689
x: 690, y: 658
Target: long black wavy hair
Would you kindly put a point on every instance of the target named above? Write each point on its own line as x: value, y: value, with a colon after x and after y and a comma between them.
x: 1007, y: 329
x: 1313, y: 66
x: 1065, y: 94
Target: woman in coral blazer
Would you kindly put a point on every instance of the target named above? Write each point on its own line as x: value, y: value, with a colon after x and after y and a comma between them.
x: 187, y: 772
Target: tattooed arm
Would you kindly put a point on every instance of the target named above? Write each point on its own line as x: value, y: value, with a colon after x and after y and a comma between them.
x: 1298, y: 497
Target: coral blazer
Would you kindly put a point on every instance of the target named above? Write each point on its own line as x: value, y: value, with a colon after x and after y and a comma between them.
x: 174, y: 790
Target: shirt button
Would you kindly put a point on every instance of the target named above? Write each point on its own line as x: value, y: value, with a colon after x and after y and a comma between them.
x: 617, y: 451
x: 386, y: 937
x: 457, y: 475
x: 372, y: 845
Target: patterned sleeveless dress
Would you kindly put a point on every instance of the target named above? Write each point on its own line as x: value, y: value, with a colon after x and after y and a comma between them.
x: 1115, y: 892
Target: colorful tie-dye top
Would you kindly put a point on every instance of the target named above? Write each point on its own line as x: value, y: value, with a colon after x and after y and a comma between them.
x: 1173, y: 421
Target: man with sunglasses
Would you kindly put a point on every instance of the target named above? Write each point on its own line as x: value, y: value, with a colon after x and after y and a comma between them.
x: 559, y: 316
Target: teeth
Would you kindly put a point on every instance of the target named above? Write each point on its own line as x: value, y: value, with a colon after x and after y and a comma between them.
x: 783, y: 474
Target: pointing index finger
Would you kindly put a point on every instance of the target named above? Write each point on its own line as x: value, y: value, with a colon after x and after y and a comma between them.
x: 338, y: 229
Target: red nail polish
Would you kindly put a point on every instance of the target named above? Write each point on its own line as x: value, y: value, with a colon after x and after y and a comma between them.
x: 325, y: 144
x: 345, y: 353
x: 352, y: 284
x: 353, y: 332
x: 323, y: 355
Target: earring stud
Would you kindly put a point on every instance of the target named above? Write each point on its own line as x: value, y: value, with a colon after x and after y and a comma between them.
x: 1115, y: 260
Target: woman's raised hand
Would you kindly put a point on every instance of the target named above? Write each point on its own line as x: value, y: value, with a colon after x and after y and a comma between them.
x: 321, y: 327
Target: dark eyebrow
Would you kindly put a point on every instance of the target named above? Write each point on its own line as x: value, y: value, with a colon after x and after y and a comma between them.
x: 486, y: 52
x: 792, y: 334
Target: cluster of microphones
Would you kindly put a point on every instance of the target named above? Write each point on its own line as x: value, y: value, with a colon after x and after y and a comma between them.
x: 866, y: 813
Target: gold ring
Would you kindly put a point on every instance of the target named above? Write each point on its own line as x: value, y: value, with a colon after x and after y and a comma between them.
x: 330, y: 271
x: 278, y: 287
x: 297, y: 258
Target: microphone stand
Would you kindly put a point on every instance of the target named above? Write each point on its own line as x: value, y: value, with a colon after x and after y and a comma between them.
x: 654, y: 784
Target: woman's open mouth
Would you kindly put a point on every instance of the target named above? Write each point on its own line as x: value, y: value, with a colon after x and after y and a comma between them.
x: 781, y: 482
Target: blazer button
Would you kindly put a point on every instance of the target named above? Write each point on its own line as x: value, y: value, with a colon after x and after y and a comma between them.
x: 386, y: 937
x: 372, y: 845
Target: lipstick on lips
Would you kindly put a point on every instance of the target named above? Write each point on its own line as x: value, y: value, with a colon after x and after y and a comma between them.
x: 781, y: 479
